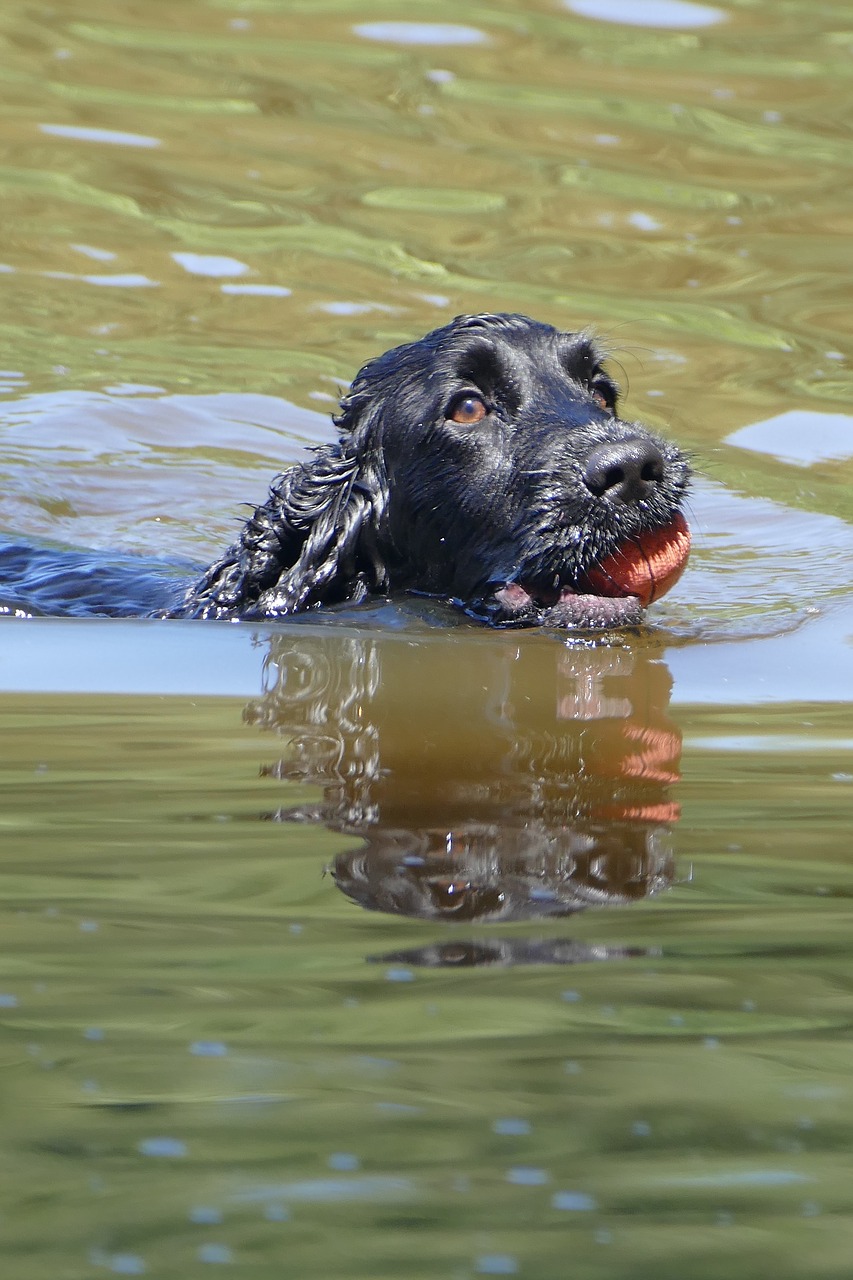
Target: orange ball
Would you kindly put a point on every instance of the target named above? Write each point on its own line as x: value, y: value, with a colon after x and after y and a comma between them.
x: 645, y: 566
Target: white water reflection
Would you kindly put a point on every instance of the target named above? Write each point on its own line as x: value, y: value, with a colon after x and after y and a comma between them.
x: 124, y: 280
x: 331, y: 1190
x: 258, y: 290
x: 742, y: 1178
x: 90, y: 251
x: 654, y: 13
x: 116, y: 137
x: 420, y: 33
x: 136, y: 657
x: 210, y: 264
x: 801, y: 437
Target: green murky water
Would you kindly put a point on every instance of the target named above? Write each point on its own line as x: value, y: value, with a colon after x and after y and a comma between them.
x: 299, y: 977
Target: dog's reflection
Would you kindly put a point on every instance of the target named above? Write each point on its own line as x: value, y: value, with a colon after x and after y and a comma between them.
x: 488, y: 779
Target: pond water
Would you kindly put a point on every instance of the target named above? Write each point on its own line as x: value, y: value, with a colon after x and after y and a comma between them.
x: 377, y: 943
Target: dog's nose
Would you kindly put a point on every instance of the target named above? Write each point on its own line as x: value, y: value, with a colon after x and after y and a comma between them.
x: 623, y: 470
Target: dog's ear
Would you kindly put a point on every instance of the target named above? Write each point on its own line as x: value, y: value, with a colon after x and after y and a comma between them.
x: 324, y: 518
x: 315, y: 540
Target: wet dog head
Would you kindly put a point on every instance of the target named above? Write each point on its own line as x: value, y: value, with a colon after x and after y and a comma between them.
x: 485, y: 463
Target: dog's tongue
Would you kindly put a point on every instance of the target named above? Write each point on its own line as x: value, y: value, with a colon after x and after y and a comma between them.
x: 645, y: 566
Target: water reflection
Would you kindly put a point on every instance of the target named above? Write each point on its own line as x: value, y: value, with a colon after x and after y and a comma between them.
x: 468, y: 953
x: 678, y: 14
x: 488, y: 780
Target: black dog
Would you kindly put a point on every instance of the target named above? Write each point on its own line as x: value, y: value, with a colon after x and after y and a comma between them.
x: 484, y: 464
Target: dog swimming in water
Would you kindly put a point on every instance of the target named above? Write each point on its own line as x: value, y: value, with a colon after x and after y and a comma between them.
x: 485, y: 464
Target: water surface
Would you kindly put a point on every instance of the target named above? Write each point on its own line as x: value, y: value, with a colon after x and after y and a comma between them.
x: 378, y: 944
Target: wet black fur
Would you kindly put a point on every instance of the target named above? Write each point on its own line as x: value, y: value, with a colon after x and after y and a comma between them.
x: 408, y: 500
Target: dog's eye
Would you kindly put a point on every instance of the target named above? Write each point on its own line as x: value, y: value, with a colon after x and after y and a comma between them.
x: 467, y: 410
x: 602, y: 394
